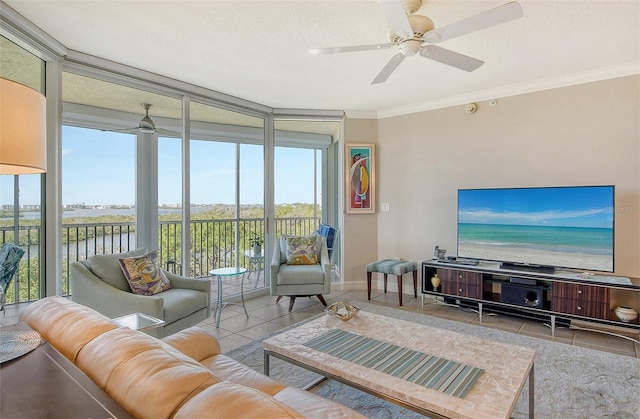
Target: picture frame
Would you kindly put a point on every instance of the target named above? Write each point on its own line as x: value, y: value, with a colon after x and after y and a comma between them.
x: 360, y: 176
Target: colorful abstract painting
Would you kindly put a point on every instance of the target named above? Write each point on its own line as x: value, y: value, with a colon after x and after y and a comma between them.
x: 360, y: 177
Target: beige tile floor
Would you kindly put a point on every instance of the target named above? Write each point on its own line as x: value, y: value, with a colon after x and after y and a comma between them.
x: 267, y: 316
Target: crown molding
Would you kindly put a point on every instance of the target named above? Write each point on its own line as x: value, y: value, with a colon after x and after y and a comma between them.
x: 355, y: 114
x: 604, y: 73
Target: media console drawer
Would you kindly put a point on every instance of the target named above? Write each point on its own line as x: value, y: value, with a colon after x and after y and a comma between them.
x: 580, y: 299
x: 461, y: 283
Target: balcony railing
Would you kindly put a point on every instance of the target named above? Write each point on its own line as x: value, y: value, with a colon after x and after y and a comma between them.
x: 214, y: 244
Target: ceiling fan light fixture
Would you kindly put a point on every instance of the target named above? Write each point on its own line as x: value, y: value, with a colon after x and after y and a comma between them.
x: 410, y: 47
x: 412, y: 6
x: 420, y: 25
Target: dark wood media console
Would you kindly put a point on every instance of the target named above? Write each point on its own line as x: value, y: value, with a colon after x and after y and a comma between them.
x: 560, y: 296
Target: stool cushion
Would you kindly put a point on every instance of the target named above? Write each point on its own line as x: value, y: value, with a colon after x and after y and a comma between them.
x: 392, y: 266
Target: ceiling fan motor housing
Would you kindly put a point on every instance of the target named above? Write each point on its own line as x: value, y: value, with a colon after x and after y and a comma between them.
x: 146, y: 124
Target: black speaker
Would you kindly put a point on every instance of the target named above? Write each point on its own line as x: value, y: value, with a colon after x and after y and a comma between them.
x: 522, y: 295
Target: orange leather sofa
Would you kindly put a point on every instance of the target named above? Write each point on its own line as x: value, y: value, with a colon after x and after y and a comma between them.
x: 181, y: 376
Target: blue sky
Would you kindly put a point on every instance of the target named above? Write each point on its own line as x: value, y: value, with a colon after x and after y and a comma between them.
x: 566, y: 206
x: 99, y: 169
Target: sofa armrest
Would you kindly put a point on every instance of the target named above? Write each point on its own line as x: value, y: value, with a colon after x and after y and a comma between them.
x: 89, y: 290
x: 178, y: 281
x: 194, y: 342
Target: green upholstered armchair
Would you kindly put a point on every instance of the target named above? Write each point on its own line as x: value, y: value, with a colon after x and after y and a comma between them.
x: 99, y: 283
x: 300, y: 280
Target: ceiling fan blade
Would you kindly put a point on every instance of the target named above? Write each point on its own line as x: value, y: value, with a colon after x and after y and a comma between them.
x: 397, y: 17
x: 354, y: 48
x: 131, y: 130
x: 384, y: 74
x: 448, y: 57
x: 492, y: 17
x: 167, y: 133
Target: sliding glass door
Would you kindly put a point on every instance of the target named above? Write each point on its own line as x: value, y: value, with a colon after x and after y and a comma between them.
x: 303, y: 163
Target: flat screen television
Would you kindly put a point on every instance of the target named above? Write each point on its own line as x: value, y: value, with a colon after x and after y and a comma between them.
x: 551, y: 227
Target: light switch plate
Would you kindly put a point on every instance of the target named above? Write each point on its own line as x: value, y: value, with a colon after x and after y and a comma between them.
x: 385, y: 207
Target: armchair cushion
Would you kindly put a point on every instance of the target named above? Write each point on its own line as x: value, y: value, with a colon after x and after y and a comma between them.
x: 107, y: 268
x: 302, y: 250
x: 181, y: 302
x: 300, y: 274
x: 144, y: 275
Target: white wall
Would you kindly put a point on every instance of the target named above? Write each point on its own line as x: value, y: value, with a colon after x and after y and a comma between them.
x: 578, y: 135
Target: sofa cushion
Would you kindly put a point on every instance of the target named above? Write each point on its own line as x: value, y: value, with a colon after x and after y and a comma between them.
x: 144, y: 275
x: 182, y: 302
x: 107, y: 268
x: 228, y: 369
x: 230, y: 400
x: 64, y: 324
x: 146, y: 376
x: 194, y: 342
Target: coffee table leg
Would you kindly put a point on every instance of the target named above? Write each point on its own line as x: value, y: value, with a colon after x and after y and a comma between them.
x: 266, y: 363
x: 531, y: 392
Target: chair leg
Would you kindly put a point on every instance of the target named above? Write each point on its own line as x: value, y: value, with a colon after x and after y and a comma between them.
x: 400, y: 289
x: 291, y: 301
x: 321, y: 298
x: 279, y: 298
x: 415, y: 284
x: 368, y: 285
x: 385, y: 283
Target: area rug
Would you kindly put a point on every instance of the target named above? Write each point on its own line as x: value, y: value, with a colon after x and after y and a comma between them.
x: 570, y: 381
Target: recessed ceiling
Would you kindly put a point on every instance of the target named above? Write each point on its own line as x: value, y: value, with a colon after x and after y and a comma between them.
x: 258, y: 50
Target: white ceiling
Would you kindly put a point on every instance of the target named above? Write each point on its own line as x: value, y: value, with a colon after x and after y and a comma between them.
x: 258, y: 50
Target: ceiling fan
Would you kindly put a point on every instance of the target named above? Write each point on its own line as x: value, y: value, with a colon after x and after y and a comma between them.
x: 414, y: 34
x: 146, y: 125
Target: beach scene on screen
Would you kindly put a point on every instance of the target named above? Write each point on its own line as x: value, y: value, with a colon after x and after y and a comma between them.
x: 561, y: 227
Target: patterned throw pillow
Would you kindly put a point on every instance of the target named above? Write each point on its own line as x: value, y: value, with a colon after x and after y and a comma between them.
x: 301, y: 250
x: 144, y: 275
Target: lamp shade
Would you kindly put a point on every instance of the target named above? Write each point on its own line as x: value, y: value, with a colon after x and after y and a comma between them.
x: 22, y: 129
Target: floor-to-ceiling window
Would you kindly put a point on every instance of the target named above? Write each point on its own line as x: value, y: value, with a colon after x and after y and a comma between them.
x: 21, y: 204
x: 227, y: 193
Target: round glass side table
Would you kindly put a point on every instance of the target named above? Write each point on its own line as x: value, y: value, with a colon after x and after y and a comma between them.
x: 220, y: 274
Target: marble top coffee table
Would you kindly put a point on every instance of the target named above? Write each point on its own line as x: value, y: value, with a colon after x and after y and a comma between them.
x: 493, y: 394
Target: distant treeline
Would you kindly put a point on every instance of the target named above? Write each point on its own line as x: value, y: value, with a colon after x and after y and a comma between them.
x: 214, y: 212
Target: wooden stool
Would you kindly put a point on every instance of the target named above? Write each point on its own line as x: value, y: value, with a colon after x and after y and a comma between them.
x: 395, y: 267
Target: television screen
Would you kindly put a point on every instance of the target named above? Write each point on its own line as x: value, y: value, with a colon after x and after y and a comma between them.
x: 563, y: 227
